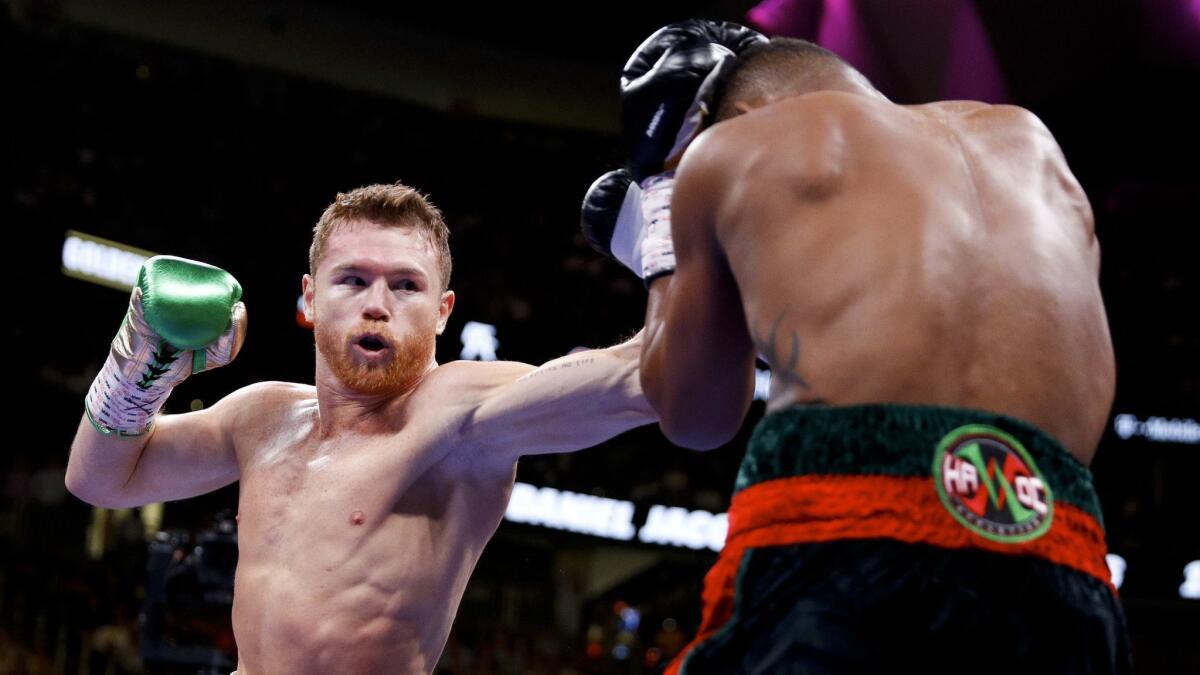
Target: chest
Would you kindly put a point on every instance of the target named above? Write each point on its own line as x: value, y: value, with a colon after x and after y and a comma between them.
x: 298, y: 490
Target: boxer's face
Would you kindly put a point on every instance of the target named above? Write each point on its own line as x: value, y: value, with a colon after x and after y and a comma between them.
x: 377, y: 306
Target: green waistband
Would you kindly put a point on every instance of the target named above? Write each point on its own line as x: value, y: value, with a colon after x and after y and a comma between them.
x: 894, y: 440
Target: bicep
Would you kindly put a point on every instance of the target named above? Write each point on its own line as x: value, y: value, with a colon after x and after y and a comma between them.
x: 187, y: 455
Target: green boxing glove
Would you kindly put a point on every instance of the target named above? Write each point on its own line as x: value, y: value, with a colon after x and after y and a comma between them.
x: 184, y: 317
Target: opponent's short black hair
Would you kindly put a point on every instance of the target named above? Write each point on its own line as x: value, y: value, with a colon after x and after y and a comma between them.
x: 781, y: 66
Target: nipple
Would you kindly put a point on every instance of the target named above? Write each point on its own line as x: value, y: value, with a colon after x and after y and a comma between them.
x: 357, y: 518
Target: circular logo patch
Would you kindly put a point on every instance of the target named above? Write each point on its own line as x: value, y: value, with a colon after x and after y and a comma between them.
x: 990, y: 484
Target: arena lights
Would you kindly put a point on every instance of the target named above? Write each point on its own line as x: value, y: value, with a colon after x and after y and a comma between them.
x: 479, y: 342
x: 1116, y: 569
x: 1190, y: 588
x: 302, y: 320
x: 613, y: 518
x: 762, y: 384
x: 571, y: 511
x: 1158, y: 429
x: 676, y: 526
x: 101, y: 261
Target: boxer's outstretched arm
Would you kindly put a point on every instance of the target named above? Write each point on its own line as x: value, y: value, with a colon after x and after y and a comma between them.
x: 698, y: 362
x: 570, y: 403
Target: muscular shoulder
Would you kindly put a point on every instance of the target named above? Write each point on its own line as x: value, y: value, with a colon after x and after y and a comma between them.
x: 1016, y: 135
x: 1009, y: 130
x: 991, y: 119
x: 999, y: 132
x: 457, y: 387
x: 450, y: 399
x: 801, y: 139
x: 263, y: 396
x: 261, y: 405
x: 463, y: 376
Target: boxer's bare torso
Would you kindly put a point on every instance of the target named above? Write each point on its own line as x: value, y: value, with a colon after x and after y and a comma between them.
x: 937, y: 254
x: 355, y: 549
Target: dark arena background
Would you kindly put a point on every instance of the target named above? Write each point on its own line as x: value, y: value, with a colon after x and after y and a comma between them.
x: 220, y: 130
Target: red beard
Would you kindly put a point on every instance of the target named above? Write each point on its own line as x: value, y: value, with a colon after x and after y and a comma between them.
x: 397, y: 372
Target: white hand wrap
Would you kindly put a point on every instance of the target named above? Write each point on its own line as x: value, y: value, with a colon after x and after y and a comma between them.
x: 642, y: 237
x: 142, y: 369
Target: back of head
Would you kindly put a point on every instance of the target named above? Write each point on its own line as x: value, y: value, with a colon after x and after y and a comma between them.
x: 395, y: 205
x: 784, y: 67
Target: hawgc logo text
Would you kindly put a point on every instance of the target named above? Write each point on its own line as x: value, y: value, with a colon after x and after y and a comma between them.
x: 989, y: 483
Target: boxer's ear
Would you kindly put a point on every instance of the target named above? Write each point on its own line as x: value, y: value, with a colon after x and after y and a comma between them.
x: 444, y: 309
x: 744, y: 106
x: 308, y: 289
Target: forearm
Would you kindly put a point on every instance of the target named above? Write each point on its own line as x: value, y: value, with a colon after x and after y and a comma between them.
x: 100, y: 465
x: 568, y: 404
x: 604, y: 395
x: 600, y: 381
x: 698, y: 379
x: 656, y: 374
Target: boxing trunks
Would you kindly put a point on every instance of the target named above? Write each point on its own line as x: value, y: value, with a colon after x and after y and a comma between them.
x: 867, y: 538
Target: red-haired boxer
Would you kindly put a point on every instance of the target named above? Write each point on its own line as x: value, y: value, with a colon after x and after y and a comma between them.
x: 365, y: 501
x: 923, y: 282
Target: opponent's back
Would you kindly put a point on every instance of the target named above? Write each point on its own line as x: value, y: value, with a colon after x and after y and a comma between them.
x: 938, y: 254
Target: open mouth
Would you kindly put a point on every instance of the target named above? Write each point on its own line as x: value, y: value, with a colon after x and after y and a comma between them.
x: 372, y: 343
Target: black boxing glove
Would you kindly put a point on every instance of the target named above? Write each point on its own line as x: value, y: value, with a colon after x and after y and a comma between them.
x: 631, y: 223
x: 667, y: 88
